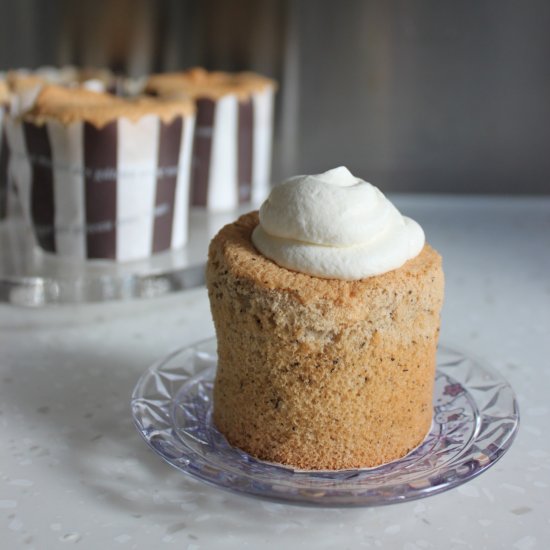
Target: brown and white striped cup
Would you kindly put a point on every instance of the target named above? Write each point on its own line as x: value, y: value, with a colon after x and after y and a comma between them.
x: 115, y: 190
x: 19, y: 89
x: 233, y: 134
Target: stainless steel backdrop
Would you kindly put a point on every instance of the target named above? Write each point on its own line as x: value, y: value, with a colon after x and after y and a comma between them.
x: 417, y: 96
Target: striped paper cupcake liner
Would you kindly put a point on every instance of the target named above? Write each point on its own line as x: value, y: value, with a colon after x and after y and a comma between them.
x: 120, y: 192
x: 232, y: 150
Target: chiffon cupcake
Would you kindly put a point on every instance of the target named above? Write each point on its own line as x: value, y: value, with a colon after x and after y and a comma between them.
x: 233, y: 134
x: 104, y: 177
x: 326, y: 307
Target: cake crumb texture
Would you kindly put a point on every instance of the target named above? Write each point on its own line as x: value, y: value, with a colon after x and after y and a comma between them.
x: 321, y: 373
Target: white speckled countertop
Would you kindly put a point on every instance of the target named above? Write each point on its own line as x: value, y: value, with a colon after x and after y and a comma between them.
x: 74, y: 471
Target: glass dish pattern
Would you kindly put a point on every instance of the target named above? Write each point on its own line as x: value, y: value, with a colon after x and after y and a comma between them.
x: 476, y: 417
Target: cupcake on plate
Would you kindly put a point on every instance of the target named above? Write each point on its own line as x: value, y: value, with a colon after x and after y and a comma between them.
x: 233, y: 134
x: 104, y: 177
x: 326, y: 308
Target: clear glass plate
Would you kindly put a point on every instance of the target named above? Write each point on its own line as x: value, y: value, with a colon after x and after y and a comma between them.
x: 476, y: 417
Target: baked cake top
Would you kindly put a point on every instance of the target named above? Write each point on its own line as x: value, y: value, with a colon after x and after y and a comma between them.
x: 198, y: 82
x: 67, y: 105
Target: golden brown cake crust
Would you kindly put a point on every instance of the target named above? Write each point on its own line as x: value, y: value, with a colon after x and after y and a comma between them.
x: 198, y: 82
x: 317, y: 373
x: 67, y: 105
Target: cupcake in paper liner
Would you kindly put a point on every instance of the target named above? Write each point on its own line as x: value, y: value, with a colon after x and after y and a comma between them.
x: 233, y: 134
x: 24, y: 85
x: 102, y: 177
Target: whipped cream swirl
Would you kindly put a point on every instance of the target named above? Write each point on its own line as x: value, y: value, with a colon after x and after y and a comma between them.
x: 335, y: 226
